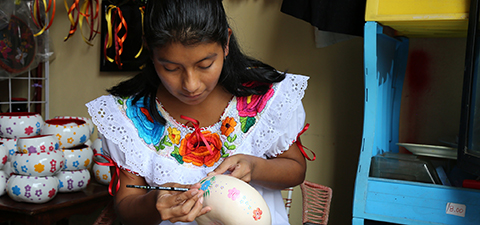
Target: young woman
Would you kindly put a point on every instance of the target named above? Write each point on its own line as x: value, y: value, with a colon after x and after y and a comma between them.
x: 199, y: 107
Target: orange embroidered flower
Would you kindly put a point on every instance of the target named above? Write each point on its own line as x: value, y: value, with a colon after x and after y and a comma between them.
x: 194, y: 150
x: 228, y: 126
x: 174, y: 135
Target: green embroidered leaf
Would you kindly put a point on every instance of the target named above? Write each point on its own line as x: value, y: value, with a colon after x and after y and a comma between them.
x: 243, y: 121
x: 168, y: 144
x: 120, y: 101
x: 233, y: 138
x: 249, y: 122
x: 175, y: 154
x: 231, y: 147
x: 225, y: 155
x: 223, y: 150
x: 161, y: 147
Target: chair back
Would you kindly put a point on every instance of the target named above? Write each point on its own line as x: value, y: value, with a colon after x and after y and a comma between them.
x: 316, y: 203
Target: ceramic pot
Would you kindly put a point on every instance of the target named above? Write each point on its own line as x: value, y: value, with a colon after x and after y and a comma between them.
x: 38, y: 164
x: 233, y: 202
x: 35, y: 144
x: 101, y: 173
x: 73, y: 180
x: 69, y: 132
x: 8, y: 169
x: 32, y: 189
x: 78, y: 158
x: 3, y: 182
x: 3, y: 155
x: 87, y: 120
x: 20, y: 124
x: 97, y: 146
x: 11, y: 145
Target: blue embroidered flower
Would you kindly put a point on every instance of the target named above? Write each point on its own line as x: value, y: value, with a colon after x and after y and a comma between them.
x: 205, y: 185
x: 148, y: 129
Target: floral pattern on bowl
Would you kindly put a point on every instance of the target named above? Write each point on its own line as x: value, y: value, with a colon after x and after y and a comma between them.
x: 73, y: 180
x: 20, y: 124
x: 38, y: 164
x: 32, y: 189
x: 78, y: 158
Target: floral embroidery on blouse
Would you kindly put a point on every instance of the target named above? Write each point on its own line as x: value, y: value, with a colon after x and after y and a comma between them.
x: 249, y: 106
x: 179, y: 141
x: 148, y: 129
x: 193, y: 149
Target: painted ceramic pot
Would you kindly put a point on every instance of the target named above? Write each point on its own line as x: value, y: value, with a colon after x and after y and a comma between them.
x: 35, y: 144
x: 74, y: 180
x: 3, y: 155
x: 69, y: 132
x: 32, y: 189
x: 87, y: 120
x: 20, y: 124
x: 97, y: 146
x: 38, y: 164
x: 233, y: 202
x: 3, y: 182
x: 11, y: 145
x: 101, y: 172
x: 78, y: 158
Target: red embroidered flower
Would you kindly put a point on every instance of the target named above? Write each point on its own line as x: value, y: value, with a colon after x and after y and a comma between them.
x: 249, y: 106
x: 194, y: 150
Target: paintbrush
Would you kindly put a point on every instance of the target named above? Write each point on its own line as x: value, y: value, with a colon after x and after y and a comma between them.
x: 157, y: 188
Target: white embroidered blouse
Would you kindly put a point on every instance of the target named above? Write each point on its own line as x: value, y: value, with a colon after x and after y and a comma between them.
x: 259, y: 125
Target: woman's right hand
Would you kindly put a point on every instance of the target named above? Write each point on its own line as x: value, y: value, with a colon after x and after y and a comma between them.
x: 178, y: 206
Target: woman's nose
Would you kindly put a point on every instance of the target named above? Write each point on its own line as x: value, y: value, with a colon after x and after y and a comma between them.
x: 191, y: 82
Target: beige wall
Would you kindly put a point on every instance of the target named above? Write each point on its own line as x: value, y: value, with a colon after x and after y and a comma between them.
x: 333, y: 101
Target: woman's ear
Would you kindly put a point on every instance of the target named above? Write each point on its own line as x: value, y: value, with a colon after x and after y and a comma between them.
x: 227, y: 49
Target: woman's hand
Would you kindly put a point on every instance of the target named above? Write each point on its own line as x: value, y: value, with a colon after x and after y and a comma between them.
x: 240, y: 166
x: 178, y: 206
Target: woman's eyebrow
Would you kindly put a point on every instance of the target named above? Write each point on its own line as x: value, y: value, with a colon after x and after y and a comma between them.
x: 206, y: 58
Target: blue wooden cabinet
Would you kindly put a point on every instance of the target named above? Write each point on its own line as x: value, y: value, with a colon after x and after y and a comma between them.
x: 388, y: 200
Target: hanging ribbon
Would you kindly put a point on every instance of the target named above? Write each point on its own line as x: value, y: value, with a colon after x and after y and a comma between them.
x: 93, y: 16
x: 110, y: 162
x: 73, y: 22
x: 113, y: 36
x: 197, y: 132
x: 37, y: 16
x: 301, y: 147
x: 143, y: 33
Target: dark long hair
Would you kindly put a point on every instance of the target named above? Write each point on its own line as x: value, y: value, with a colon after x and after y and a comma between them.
x: 192, y: 22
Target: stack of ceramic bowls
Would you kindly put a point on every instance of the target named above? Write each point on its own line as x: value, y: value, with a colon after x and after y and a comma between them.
x: 72, y: 133
x: 14, y: 125
x: 35, y: 165
x: 3, y: 162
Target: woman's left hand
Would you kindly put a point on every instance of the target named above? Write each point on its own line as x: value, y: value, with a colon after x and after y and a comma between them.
x: 240, y: 166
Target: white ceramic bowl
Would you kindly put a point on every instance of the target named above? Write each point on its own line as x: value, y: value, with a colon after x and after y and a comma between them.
x: 78, y: 158
x: 73, y: 180
x: 3, y: 182
x: 20, y: 124
x: 101, y: 173
x: 86, y: 119
x: 233, y: 202
x: 3, y: 155
x: 38, y: 164
x: 11, y: 145
x: 69, y: 132
x: 39, y: 143
x: 32, y: 189
x: 97, y: 146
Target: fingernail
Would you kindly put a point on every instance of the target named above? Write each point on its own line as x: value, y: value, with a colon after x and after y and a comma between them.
x: 194, y: 192
x: 201, y: 200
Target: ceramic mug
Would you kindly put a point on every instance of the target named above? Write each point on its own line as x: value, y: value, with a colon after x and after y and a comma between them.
x: 69, y: 132
x: 233, y: 202
x: 73, y: 180
x: 101, y: 172
x: 38, y: 164
x: 78, y: 158
x: 20, y: 124
x: 32, y: 189
x: 39, y: 143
